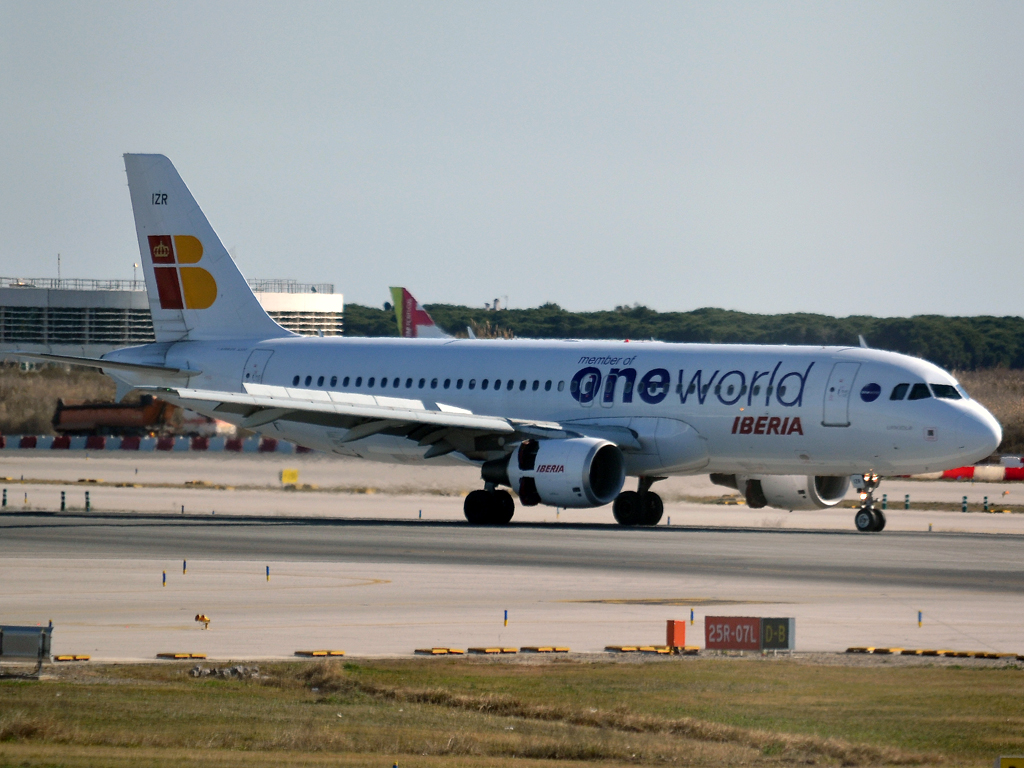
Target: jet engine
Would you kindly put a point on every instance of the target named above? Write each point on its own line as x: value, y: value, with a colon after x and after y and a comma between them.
x: 575, y: 472
x: 787, y: 491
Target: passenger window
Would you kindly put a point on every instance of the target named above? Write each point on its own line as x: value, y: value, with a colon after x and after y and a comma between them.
x: 919, y: 392
x: 510, y: 385
x: 295, y: 381
x: 522, y: 385
x: 308, y: 380
x: 945, y: 391
x: 396, y: 383
x: 731, y: 388
x: 334, y: 381
x: 408, y: 383
x: 472, y: 383
x: 547, y: 385
x: 536, y: 385
x: 447, y: 383
x: 320, y: 381
x: 692, y: 388
x: 345, y: 382
x: 423, y: 383
x: 369, y: 381
x: 561, y: 386
x: 359, y: 381
x: 899, y: 391
x: 757, y: 389
x: 483, y: 384
x: 433, y: 383
x: 458, y: 384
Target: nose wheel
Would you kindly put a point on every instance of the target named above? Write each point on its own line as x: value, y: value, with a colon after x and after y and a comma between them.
x: 868, y: 519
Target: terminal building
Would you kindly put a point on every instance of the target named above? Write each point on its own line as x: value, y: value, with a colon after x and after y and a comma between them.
x: 91, y: 317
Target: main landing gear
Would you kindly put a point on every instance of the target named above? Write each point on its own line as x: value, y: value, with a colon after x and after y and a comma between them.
x: 640, y: 507
x: 868, y: 519
x: 489, y: 507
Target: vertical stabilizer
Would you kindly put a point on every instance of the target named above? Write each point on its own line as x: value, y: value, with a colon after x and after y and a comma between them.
x: 195, y: 290
x: 414, y: 322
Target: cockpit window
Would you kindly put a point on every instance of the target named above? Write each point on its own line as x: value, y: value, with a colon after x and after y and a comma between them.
x: 945, y: 391
x: 899, y: 391
x: 919, y: 392
x: 963, y: 392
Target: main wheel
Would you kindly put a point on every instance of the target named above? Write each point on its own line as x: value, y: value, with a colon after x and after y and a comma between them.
x: 626, y: 508
x: 653, y: 509
x: 477, y: 508
x: 503, y: 507
x: 865, y: 520
x: 879, y: 520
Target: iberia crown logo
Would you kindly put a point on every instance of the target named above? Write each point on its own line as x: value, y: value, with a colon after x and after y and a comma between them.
x: 181, y: 287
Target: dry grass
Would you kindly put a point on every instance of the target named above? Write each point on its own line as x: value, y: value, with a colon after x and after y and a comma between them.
x: 29, y: 398
x: 429, y: 712
x: 1002, y: 392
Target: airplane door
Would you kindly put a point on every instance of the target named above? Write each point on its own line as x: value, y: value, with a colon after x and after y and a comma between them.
x: 255, y: 365
x: 589, y: 388
x: 837, y: 395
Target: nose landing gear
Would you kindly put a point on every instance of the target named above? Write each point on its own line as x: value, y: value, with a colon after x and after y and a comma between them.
x: 868, y: 519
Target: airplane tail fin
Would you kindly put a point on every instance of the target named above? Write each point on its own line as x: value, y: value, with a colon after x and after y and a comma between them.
x: 413, y: 320
x: 195, y: 290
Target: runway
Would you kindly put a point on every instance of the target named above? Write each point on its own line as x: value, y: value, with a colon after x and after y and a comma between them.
x: 389, y: 586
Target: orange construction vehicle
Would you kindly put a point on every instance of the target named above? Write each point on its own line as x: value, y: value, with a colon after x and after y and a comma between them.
x: 149, y: 415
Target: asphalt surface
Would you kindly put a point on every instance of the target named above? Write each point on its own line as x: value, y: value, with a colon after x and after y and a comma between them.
x: 893, y: 559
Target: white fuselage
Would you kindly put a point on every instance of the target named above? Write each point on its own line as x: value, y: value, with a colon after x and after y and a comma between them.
x: 756, y: 409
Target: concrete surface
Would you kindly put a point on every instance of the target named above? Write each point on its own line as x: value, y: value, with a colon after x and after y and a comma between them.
x: 360, y: 572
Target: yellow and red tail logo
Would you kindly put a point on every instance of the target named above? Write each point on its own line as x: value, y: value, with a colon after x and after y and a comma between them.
x: 181, y: 287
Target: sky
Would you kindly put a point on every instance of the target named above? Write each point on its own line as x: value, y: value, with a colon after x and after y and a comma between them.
x: 839, y: 158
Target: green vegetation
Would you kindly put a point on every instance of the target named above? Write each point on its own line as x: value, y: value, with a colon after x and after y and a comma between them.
x: 960, y: 343
x: 434, y: 712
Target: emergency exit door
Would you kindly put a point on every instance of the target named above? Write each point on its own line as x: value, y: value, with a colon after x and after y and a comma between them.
x: 837, y: 395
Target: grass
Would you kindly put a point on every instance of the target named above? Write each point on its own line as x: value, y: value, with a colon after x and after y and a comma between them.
x: 433, y: 712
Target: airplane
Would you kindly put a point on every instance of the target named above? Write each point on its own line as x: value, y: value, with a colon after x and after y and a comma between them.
x: 414, y: 322
x: 560, y: 423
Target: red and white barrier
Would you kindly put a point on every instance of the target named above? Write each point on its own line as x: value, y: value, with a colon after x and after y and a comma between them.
x: 148, y: 444
x: 983, y: 473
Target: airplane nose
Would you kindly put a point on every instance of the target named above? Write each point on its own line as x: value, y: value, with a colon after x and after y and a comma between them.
x: 980, y: 434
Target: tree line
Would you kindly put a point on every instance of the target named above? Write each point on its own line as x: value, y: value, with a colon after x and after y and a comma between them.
x: 956, y: 343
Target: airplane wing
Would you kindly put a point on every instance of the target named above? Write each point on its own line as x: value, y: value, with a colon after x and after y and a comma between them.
x: 444, y: 428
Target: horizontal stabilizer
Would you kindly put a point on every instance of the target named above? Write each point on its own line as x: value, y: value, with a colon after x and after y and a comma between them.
x: 110, y: 365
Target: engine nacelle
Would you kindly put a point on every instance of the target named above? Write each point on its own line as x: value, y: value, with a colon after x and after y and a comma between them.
x: 788, y: 491
x: 576, y: 472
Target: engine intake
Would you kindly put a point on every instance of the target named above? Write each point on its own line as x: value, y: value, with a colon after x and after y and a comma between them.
x: 575, y: 472
x: 789, y: 492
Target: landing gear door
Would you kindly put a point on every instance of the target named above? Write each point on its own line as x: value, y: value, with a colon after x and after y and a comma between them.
x: 255, y: 365
x: 837, y: 395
